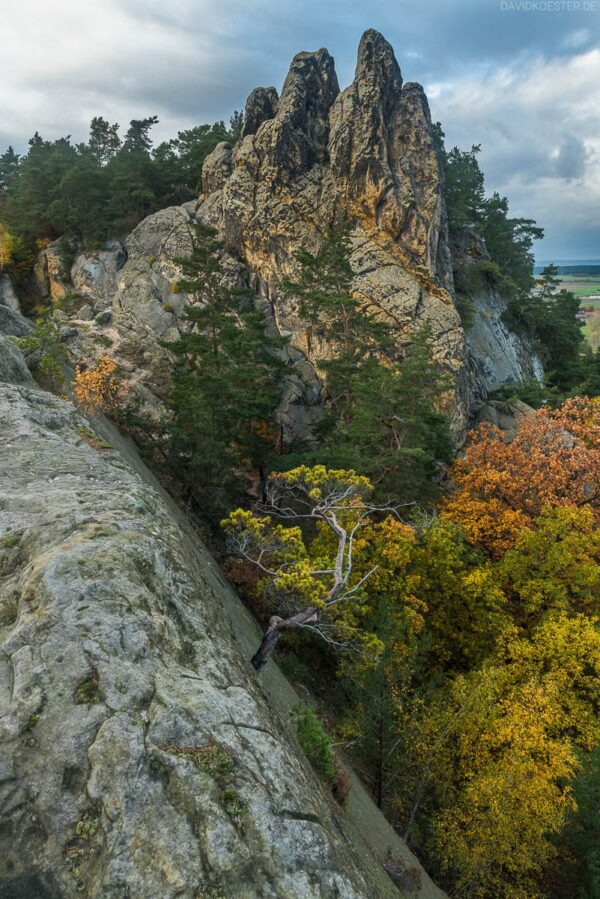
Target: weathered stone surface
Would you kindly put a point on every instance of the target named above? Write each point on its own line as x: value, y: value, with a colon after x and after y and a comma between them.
x: 8, y: 296
x: 217, y: 168
x: 116, y: 663
x: 504, y: 414
x: 497, y: 356
x: 384, y: 160
x: 261, y: 106
x: 12, y: 322
x: 307, y: 160
x: 13, y: 367
x: 51, y: 275
x: 366, y: 155
x: 95, y: 274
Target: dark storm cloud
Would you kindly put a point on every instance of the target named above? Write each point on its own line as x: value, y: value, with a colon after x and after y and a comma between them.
x: 525, y: 85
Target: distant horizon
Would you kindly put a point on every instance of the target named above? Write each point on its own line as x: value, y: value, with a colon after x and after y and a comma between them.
x: 565, y: 261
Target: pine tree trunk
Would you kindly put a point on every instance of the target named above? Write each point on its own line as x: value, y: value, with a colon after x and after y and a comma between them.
x: 273, y: 634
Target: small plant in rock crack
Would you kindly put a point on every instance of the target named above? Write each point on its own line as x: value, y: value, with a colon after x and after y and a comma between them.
x: 9, y: 540
x: 87, y: 693
x: 93, y: 440
x: 235, y: 808
x: 315, y: 742
x: 87, y: 826
x: 211, y: 759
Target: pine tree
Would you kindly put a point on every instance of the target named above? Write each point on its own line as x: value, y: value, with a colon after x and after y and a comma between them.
x: 226, y: 387
x: 381, y: 415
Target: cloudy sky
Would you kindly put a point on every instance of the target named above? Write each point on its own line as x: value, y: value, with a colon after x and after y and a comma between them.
x: 520, y: 77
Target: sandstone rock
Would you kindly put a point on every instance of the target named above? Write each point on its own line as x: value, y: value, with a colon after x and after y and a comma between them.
x: 261, y: 106
x: 217, y: 168
x: 96, y: 274
x: 138, y: 756
x: 366, y: 155
x: 497, y: 356
x: 12, y: 322
x: 307, y: 160
x: 504, y: 414
x: 66, y: 333
x: 12, y: 364
x: 85, y: 313
x: 8, y: 296
x: 103, y: 318
x: 51, y: 274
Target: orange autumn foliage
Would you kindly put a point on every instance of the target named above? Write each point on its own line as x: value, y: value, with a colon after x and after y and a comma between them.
x: 501, y: 487
x: 97, y: 388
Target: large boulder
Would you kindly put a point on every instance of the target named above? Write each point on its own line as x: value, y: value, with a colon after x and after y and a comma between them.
x: 138, y: 756
x: 13, y: 368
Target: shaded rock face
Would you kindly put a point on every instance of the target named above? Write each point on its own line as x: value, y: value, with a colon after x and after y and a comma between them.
x: 261, y: 106
x: 51, y: 276
x: 497, y: 356
x: 13, y: 367
x: 137, y: 756
x: 12, y: 322
x: 8, y: 296
x: 504, y: 415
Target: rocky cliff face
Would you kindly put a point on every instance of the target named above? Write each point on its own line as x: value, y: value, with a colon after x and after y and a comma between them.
x: 138, y: 755
x: 497, y: 357
x: 307, y: 159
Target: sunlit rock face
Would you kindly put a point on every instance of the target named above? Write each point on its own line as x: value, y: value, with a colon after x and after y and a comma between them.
x: 366, y: 155
x: 307, y: 160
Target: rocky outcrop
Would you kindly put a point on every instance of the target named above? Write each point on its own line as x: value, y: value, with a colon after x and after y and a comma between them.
x: 138, y: 756
x: 51, y: 272
x: 261, y: 106
x: 13, y: 367
x: 498, y: 357
x: 8, y: 297
x: 506, y: 415
x: 307, y: 160
x: 12, y: 323
x: 365, y: 155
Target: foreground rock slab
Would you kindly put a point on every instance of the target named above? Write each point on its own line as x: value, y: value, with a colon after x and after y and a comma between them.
x: 138, y: 758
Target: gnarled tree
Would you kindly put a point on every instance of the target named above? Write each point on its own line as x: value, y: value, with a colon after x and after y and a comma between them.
x: 308, y: 585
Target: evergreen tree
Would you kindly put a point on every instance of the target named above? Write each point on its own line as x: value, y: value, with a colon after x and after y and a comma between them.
x: 226, y: 388
x: 9, y: 169
x: 551, y: 317
x: 104, y: 140
x: 133, y: 177
x: 381, y: 415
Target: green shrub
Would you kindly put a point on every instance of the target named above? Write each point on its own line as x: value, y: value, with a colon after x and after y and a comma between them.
x: 315, y: 741
x: 47, y: 355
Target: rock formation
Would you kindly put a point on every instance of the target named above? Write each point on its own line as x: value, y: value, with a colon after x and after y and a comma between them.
x: 138, y: 756
x: 306, y: 160
x: 497, y: 356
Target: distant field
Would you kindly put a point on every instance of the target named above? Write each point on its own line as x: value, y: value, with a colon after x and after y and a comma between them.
x: 582, y: 277
x: 583, y: 286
